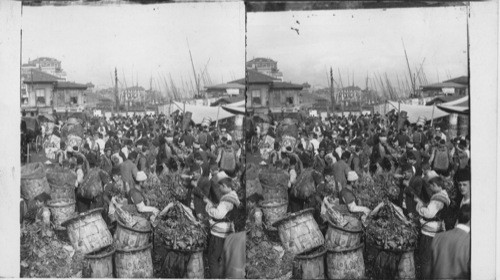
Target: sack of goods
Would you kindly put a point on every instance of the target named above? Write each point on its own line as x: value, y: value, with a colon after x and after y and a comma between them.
x: 180, y: 230
x: 91, y: 186
x: 306, y: 184
x: 228, y: 160
x: 330, y: 212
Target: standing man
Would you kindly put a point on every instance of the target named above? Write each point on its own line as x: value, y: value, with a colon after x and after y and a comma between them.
x: 450, y: 250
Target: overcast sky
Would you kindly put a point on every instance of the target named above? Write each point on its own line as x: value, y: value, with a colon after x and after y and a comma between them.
x: 361, y: 42
x: 141, y: 40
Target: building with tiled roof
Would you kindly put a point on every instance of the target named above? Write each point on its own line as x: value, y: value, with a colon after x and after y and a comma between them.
x: 44, y: 93
x: 266, y: 93
x: 446, y: 88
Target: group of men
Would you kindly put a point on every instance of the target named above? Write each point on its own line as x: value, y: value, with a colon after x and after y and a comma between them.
x: 429, y: 169
x: 123, y: 152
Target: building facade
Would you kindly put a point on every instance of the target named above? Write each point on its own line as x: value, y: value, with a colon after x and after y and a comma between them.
x: 266, y: 93
x: 42, y: 93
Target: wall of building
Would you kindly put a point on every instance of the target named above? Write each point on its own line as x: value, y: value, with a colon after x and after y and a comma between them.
x: 43, y: 90
x: 256, y: 92
x: 284, y: 98
x: 68, y: 98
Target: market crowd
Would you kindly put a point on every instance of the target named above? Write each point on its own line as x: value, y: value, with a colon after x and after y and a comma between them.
x: 426, y: 176
x: 125, y: 152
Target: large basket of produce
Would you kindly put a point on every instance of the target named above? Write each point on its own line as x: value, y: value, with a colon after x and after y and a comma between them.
x: 370, y: 192
x: 132, y: 235
x: 346, y: 237
x: 273, y: 210
x: 310, y: 265
x: 389, y: 230
x: 99, y: 264
x: 390, y: 264
x: 346, y: 263
x: 91, y: 186
x: 88, y: 232
x: 183, y: 264
x: 299, y: 232
x: 43, y: 255
x: 306, y: 184
x: 61, y: 210
x: 163, y: 189
x: 62, y: 192
x: 180, y: 230
x: 274, y: 183
x: 134, y: 263
x: 253, y: 187
x: 61, y: 177
x: 33, y: 181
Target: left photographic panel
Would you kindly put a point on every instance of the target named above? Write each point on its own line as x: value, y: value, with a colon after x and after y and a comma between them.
x: 131, y: 141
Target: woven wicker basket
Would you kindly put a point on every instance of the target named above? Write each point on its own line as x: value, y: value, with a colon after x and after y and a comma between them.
x: 273, y: 210
x: 299, y: 232
x: 346, y: 263
x: 130, y: 238
x: 99, y: 264
x: 61, y: 177
x: 134, y: 263
x: 33, y: 181
x: 61, y: 210
x: 310, y: 265
x: 62, y: 192
x: 88, y: 232
x: 341, y: 238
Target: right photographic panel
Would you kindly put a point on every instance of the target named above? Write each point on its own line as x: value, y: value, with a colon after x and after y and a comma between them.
x: 358, y: 143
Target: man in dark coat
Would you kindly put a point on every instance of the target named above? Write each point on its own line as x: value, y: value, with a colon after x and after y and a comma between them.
x: 450, y: 250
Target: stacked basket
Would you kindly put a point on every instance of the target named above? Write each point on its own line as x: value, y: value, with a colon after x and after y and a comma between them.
x: 89, y: 234
x: 300, y: 234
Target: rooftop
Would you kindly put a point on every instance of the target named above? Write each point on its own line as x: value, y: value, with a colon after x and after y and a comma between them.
x: 443, y: 85
x: 285, y: 85
x: 463, y: 80
x: 37, y: 76
x: 226, y: 86
x: 70, y: 85
x: 255, y: 77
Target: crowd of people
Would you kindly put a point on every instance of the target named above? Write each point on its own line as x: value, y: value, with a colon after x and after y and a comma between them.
x: 124, y: 151
x: 429, y: 169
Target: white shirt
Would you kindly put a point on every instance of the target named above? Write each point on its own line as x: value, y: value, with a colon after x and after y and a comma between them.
x: 101, y: 144
x: 315, y: 144
x: 463, y: 227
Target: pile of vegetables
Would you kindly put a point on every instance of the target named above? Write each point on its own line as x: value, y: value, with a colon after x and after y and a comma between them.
x: 266, y: 259
x: 388, y: 230
x: 163, y: 189
x: 179, y: 232
x: 370, y: 192
x: 43, y: 255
